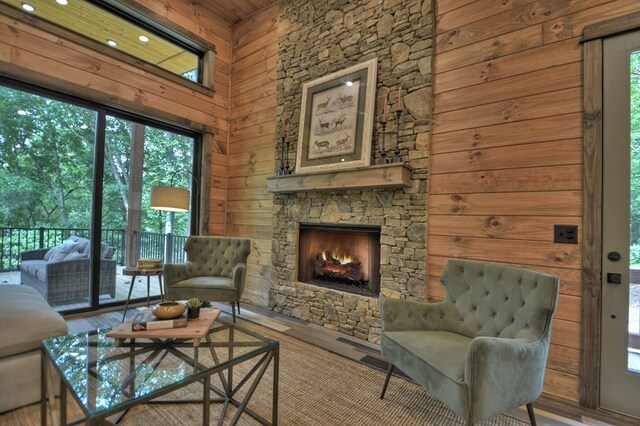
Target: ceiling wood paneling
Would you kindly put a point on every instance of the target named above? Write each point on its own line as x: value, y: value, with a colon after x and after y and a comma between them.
x: 236, y: 10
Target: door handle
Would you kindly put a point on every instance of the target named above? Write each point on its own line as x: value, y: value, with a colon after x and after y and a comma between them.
x: 614, y: 278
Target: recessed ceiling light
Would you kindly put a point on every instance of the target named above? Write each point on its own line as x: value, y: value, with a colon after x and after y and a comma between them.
x: 349, y: 83
x: 84, y: 126
x: 62, y: 2
x: 143, y: 38
x: 112, y: 43
x: 28, y: 7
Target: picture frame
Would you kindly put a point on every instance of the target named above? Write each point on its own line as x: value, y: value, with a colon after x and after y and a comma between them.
x: 336, y: 120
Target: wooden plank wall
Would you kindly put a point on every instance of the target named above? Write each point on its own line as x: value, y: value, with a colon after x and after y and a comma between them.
x: 36, y: 56
x: 506, y: 159
x: 252, y: 144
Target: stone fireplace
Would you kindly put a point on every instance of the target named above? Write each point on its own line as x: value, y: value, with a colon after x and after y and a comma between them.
x: 399, y: 214
x: 316, y: 39
x: 340, y: 257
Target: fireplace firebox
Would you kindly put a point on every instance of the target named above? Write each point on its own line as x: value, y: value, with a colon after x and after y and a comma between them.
x: 342, y: 257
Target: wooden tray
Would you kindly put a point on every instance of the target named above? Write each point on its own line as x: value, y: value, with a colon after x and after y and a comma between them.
x: 194, y: 330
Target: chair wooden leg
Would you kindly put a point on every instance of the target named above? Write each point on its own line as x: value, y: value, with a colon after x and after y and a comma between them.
x: 386, y: 380
x: 238, y: 302
x: 469, y: 422
x: 532, y: 417
x: 233, y: 310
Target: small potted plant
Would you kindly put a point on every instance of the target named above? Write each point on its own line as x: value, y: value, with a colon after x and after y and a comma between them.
x: 193, y: 308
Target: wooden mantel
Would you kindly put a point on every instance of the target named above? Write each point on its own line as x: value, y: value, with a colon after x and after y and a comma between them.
x: 394, y: 175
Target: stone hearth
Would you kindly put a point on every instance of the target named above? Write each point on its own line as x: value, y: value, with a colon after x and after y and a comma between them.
x: 401, y: 217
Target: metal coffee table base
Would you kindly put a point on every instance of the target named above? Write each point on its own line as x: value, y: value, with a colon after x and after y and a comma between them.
x: 226, y: 395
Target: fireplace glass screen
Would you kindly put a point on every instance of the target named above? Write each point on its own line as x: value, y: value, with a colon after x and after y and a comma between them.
x: 344, y: 258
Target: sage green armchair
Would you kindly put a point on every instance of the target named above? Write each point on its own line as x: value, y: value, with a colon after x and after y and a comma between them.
x: 216, y: 269
x: 482, y: 351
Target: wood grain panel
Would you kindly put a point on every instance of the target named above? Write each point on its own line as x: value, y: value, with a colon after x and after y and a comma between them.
x: 475, y: 11
x: 561, y: 384
x: 516, y: 109
x: 508, y: 66
x: 557, y: 203
x: 516, y: 156
x: 525, y: 252
x: 572, y: 25
x: 531, y: 83
x: 529, y: 228
x: 556, y: 127
x: 553, y: 178
x: 592, y: 224
x: 531, y: 14
x: 252, y: 144
x: 492, y: 48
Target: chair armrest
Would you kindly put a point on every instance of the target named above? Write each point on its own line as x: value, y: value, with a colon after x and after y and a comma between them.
x: 504, y: 373
x: 238, y: 276
x: 176, y: 272
x: 402, y: 314
x: 37, y: 254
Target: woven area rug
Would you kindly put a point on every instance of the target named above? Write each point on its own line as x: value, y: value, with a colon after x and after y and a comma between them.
x: 316, y: 388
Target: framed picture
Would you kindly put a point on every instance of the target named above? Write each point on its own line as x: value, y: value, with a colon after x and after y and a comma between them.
x: 336, y: 120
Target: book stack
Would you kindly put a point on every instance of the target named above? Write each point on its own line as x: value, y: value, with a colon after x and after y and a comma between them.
x: 149, y: 263
x: 147, y: 321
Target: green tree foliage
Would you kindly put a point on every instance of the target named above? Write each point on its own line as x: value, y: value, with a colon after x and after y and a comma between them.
x: 46, y: 165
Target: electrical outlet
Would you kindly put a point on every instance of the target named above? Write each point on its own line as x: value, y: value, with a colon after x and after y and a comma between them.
x: 565, y: 234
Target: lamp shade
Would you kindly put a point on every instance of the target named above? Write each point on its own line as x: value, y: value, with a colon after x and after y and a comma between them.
x: 169, y: 198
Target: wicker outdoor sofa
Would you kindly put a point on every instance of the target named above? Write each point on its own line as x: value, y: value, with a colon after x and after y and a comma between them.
x: 64, y: 279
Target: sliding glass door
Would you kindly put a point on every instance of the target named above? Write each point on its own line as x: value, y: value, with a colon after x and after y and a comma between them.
x: 137, y: 157
x: 75, y: 181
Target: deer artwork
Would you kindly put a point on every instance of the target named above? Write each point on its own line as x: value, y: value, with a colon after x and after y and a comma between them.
x: 346, y: 100
x: 339, y: 122
x: 323, y: 126
x: 342, y: 143
x: 322, y: 106
x: 321, y: 144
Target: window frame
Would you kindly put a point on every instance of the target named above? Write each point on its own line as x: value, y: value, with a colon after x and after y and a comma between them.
x: 142, y: 17
x: 102, y: 111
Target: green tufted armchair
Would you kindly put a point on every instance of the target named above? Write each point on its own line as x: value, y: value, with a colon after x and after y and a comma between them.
x: 482, y: 351
x: 215, y: 271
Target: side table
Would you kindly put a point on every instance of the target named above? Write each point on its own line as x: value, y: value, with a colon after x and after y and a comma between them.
x: 134, y: 272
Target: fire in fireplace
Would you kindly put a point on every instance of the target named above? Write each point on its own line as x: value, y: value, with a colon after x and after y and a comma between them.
x: 342, y: 257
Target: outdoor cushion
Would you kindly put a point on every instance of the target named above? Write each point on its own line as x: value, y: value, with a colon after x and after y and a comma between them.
x: 75, y: 255
x: 83, y: 245
x: 34, y: 266
x: 53, y: 250
x: 220, y: 283
x: 26, y: 319
x: 62, y: 251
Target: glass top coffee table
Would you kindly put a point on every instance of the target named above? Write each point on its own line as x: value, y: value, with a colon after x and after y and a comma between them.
x: 107, y: 379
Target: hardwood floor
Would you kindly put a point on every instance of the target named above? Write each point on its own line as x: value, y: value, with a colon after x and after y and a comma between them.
x: 549, y: 411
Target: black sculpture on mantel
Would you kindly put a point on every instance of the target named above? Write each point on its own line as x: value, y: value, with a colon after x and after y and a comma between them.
x: 383, y: 125
x: 396, y: 151
x: 284, y: 169
x: 383, y: 152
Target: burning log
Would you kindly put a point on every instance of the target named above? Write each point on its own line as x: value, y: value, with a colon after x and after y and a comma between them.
x: 327, y: 266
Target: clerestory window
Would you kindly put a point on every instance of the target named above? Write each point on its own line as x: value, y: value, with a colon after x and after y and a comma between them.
x: 112, y: 24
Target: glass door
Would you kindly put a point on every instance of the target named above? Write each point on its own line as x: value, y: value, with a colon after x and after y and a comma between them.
x: 620, y: 363
x: 137, y: 157
x: 46, y: 185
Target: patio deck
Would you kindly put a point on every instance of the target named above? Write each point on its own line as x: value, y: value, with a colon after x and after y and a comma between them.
x: 122, y: 288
